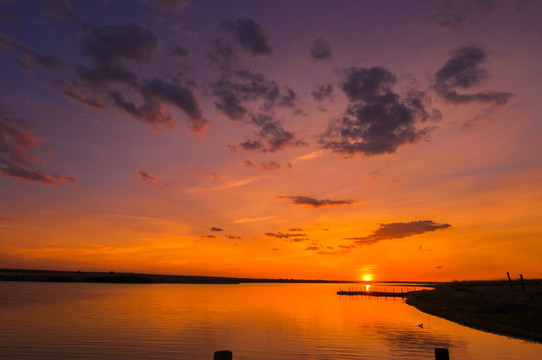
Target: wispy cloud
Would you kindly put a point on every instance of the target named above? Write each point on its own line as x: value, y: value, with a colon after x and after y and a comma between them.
x: 262, y: 218
x: 228, y: 185
x: 16, y: 141
x: 146, y: 176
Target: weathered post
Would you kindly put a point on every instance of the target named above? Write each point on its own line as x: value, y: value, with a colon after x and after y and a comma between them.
x: 509, y: 280
x: 522, y: 282
x: 223, y: 355
x: 442, y: 354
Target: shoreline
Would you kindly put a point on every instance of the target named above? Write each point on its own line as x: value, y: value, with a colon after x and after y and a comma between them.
x: 490, y: 306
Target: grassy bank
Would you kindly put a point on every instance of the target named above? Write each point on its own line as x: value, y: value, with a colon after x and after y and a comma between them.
x: 492, y: 306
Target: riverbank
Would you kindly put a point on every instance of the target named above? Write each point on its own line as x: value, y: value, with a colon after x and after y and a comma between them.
x: 492, y: 306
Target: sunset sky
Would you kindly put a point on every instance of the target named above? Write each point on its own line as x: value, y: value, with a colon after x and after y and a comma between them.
x: 281, y: 139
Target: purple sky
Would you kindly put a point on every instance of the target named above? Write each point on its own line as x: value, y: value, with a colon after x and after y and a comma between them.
x: 316, y: 139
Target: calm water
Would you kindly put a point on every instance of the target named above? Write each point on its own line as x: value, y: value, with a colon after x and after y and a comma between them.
x: 255, y: 321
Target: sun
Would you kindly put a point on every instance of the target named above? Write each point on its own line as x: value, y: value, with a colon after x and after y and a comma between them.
x: 367, y: 277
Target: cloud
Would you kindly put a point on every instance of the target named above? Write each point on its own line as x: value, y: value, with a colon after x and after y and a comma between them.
x: 261, y: 218
x: 232, y: 237
x: 312, y: 248
x: 16, y: 141
x: 181, y: 53
x: 463, y: 71
x: 145, y: 176
x: 30, y: 58
x: 235, y: 89
x: 295, y: 229
x: 111, y: 43
x: 214, y: 228
x: 60, y: 9
x: 250, y: 35
x: 100, y: 75
x: 399, y: 230
x: 320, y: 50
x: 177, y: 95
x: 151, y: 112
x: 280, y: 235
x: 453, y: 13
x: 313, y: 202
x: 271, y: 137
x: 168, y: 5
x: 65, y: 178
x: 322, y: 92
x: 108, y: 48
x: 377, y: 120
x: 270, y: 165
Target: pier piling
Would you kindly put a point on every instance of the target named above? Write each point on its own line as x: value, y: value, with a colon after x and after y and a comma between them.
x: 223, y: 355
x: 442, y: 354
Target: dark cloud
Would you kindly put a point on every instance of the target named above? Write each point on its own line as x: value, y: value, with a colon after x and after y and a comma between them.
x: 271, y: 136
x: 16, y: 141
x: 320, y: 49
x: 312, y: 248
x: 100, y: 75
x: 280, y: 235
x: 232, y: 237
x: 112, y: 43
x: 399, y: 230
x: 145, y: 176
x: 30, y: 58
x: 214, y: 228
x: 235, y: 89
x: 60, y: 9
x: 181, y: 53
x: 209, y: 236
x: 377, y: 121
x: 463, y: 71
x: 250, y: 35
x: 310, y: 201
x: 151, y: 113
x: 177, y: 95
x: 295, y: 229
x: 322, y: 92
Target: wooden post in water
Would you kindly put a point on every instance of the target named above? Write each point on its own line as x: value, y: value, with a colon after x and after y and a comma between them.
x: 509, y: 280
x: 223, y: 355
x: 522, y: 282
x: 442, y: 354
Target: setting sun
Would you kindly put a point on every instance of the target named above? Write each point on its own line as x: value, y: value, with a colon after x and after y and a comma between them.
x: 367, y: 277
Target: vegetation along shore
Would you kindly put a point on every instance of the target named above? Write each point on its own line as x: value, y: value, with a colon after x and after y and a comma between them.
x: 502, y: 307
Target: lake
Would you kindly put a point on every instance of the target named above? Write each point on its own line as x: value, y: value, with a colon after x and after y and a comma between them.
x: 255, y: 321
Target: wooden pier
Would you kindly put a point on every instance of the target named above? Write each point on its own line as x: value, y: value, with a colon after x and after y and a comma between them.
x: 377, y: 291
x: 372, y: 293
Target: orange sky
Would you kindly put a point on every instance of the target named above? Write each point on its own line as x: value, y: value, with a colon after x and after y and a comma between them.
x: 272, y: 139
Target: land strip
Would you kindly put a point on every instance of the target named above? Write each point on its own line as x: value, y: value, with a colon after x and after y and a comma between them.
x: 133, y: 278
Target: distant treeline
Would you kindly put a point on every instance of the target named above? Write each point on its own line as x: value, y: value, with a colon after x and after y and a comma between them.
x: 133, y: 278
